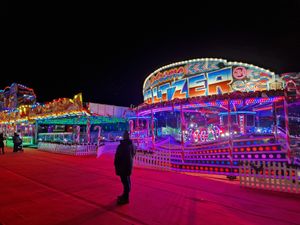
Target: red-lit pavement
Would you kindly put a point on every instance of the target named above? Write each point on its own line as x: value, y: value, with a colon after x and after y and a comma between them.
x: 43, y: 188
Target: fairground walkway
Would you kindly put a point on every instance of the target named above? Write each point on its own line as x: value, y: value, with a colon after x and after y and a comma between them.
x: 40, y: 188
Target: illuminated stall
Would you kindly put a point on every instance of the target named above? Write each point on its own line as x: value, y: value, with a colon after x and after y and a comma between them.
x: 211, y: 114
x: 63, y: 125
x: 15, y: 100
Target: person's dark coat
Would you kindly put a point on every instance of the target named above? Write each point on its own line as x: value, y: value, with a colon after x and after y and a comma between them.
x: 124, y: 158
x: 1, y: 141
x: 17, y: 140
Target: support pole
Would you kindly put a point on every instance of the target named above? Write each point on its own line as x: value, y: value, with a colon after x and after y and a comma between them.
x: 152, y: 130
x: 275, y: 121
x: 137, y: 127
x: 88, y: 130
x: 230, y: 177
x: 287, y: 133
x: 181, y: 127
x: 148, y: 130
x: 36, y: 127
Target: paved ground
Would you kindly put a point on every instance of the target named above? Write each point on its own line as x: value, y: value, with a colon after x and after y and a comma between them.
x: 43, y: 188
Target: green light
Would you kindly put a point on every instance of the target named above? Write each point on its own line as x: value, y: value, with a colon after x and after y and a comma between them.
x: 81, y: 120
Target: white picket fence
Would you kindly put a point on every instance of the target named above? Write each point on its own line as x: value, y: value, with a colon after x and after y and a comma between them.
x: 269, y: 176
x: 160, y: 160
x: 79, y: 150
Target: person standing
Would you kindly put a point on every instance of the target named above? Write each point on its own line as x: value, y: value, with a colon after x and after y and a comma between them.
x: 123, y: 163
x: 17, y: 142
x: 2, y: 142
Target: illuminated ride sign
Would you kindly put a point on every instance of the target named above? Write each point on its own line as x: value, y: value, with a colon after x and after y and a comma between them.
x: 204, y: 77
x: 211, y: 133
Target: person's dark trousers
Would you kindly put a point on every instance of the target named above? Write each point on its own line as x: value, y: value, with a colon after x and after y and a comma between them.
x: 126, y: 186
x: 2, y: 150
x: 15, y: 148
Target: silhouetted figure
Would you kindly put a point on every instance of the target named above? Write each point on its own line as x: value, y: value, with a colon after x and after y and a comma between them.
x: 2, y: 142
x: 123, y: 164
x: 17, y: 142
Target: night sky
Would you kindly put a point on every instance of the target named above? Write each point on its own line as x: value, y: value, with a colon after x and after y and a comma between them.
x: 108, y: 58
x: 4, y: 8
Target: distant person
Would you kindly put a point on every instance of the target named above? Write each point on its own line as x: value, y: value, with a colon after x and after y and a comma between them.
x: 17, y: 142
x: 123, y: 164
x: 2, y: 142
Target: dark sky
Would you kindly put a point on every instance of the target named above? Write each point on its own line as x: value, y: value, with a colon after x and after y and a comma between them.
x: 4, y: 8
x: 107, y: 58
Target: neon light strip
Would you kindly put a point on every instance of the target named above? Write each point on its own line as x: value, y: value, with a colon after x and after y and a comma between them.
x: 139, y: 117
x: 263, y: 100
x: 81, y: 121
x: 263, y: 109
x: 238, y: 112
x: 205, y: 59
x: 215, y: 103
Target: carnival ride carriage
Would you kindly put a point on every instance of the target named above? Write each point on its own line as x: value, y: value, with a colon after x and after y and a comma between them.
x: 213, y: 133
